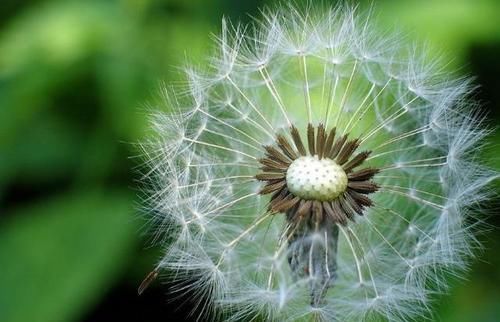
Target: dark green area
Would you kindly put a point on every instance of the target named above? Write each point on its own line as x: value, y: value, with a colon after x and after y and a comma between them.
x: 75, y: 80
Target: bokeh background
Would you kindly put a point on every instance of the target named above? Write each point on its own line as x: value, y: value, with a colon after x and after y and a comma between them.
x: 75, y: 80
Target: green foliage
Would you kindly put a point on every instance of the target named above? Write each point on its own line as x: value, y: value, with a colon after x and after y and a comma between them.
x: 58, y: 256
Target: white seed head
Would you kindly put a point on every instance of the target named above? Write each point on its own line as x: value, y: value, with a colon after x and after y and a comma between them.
x: 380, y: 246
x: 313, y: 179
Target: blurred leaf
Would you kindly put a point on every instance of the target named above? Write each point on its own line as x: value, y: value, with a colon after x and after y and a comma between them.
x: 40, y: 50
x: 58, y: 256
x: 130, y: 75
x: 92, y: 58
x: 46, y: 151
x: 58, y: 32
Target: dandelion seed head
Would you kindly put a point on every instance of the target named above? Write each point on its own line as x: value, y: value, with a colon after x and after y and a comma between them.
x: 316, y: 169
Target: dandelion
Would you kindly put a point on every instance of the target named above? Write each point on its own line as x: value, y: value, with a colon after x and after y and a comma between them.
x: 317, y: 170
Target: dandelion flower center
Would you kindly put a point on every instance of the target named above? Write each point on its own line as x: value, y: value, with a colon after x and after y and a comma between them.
x: 313, y: 179
x: 320, y: 184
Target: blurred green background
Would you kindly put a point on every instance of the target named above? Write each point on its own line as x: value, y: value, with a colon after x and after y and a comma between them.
x: 75, y: 78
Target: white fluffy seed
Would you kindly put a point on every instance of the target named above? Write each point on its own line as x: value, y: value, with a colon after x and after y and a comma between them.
x: 313, y: 179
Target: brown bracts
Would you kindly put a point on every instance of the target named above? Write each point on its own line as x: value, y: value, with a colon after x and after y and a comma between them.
x: 322, y: 146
